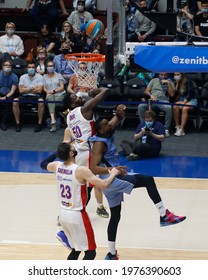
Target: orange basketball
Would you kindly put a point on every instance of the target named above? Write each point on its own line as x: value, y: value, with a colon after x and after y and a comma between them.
x: 94, y: 28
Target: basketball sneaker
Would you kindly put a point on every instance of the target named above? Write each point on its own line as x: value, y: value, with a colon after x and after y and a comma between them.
x: 61, y: 236
x: 171, y: 219
x: 110, y: 257
x: 101, y: 211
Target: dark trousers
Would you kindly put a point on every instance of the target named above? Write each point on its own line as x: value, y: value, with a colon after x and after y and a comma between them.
x: 44, y: 15
x: 144, y: 150
x: 7, y: 109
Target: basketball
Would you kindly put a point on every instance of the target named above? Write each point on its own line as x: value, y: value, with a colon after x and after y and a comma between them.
x: 94, y: 28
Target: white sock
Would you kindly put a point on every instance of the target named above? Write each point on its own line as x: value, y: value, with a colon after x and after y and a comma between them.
x: 161, y: 208
x: 99, y: 205
x: 112, y: 247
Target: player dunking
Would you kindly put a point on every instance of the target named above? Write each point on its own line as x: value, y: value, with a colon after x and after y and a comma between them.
x: 80, y: 121
x: 72, y: 194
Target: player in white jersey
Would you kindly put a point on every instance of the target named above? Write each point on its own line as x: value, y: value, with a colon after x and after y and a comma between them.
x: 80, y: 121
x: 72, y: 192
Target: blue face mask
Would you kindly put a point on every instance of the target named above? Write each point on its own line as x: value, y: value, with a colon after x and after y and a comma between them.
x: 204, y: 10
x: 31, y: 71
x: 148, y: 124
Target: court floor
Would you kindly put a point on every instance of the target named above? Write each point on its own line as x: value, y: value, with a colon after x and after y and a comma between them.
x: 28, y: 212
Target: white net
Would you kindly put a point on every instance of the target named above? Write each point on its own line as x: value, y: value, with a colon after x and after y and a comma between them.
x: 87, y: 78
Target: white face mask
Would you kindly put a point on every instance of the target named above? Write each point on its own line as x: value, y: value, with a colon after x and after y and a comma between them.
x: 10, y: 31
x: 7, y: 69
x: 80, y: 8
x: 177, y: 78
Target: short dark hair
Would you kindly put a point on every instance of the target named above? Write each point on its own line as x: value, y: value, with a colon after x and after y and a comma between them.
x: 150, y: 113
x: 67, y: 101
x: 63, y: 151
x: 97, y: 125
x: 5, y: 61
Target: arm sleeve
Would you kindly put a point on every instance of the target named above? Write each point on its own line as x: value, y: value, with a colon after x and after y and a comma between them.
x: 47, y: 160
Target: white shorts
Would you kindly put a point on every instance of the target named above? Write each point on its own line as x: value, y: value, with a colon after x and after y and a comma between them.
x: 78, y: 229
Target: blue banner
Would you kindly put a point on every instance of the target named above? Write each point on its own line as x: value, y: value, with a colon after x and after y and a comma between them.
x: 172, y: 58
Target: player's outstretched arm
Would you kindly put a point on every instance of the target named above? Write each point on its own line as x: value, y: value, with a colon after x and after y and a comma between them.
x: 49, y: 164
x: 84, y: 173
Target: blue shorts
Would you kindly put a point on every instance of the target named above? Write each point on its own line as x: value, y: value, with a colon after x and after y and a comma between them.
x: 120, y: 185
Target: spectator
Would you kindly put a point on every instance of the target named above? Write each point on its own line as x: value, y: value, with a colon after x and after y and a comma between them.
x: 89, y: 44
x: 31, y: 90
x: 11, y: 45
x: 159, y: 89
x: 68, y: 35
x: 61, y: 64
x: 79, y: 18
x: 194, y: 6
x: 151, y: 6
x: 145, y: 27
x: 45, y: 12
x: 80, y: 83
x: 201, y: 20
x: 148, y: 137
x: 185, y: 93
x: 90, y: 5
x: 47, y: 40
x: 185, y: 22
x: 54, y: 88
x: 41, y: 60
x: 8, y: 86
x: 131, y: 23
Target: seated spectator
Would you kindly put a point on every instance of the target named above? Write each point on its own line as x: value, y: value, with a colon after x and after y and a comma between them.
x: 61, y: 64
x: 148, y: 137
x: 54, y: 88
x: 79, y: 18
x: 79, y: 83
x: 159, y: 90
x: 47, y: 40
x: 89, y: 44
x: 194, y: 6
x: 8, y: 86
x: 152, y: 5
x: 185, y: 22
x: 45, y: 12
x: 97, y: 67
x: 41, y: 60
x: 185, y: 93
x: 90, y: 5
x: 68, y: 35
x: 145, y: 27
x: 201, y: 21
x: 131, y: 23
x: 31, y: 90
x: 11, y: 45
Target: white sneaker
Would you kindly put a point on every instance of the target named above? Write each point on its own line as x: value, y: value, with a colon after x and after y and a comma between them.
x: 180, y: 132
x: 177, y: 128
x: 167, y: 133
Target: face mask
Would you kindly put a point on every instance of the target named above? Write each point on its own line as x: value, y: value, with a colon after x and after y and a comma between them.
x: 7, y: 69
x: 177, y: 78
x: 31, y: 71
x: 82, y: 72
x: 50, y: 69
x: 148, y: 123
x: 10, y: 31
x: 41, y: 56
x: 204, y: 10
x: 80, y: 8
x: 65, y: 51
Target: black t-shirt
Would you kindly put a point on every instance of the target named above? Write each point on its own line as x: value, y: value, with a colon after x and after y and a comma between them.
x: 202, y: 22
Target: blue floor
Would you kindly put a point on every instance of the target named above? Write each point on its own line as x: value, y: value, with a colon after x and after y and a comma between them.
x: 164, y: 166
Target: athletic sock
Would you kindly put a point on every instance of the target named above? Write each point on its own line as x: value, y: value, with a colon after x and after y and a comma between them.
x: 161, y: 208
x: 112, y: 247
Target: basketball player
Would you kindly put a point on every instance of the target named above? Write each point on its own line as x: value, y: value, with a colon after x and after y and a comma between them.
x: 105, y: 157
x: 72, y: 192
x: 80, y: 121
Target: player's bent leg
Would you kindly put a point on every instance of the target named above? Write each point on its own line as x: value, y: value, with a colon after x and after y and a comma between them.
x: 101, y: 211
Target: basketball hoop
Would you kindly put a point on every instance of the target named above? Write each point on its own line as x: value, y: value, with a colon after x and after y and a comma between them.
x: 89, y: 78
